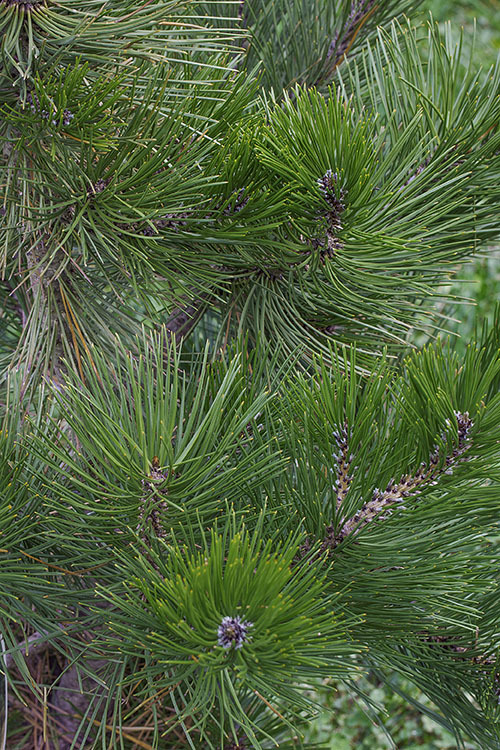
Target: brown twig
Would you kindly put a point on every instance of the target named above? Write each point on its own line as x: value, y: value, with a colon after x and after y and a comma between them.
x: 183, y: 319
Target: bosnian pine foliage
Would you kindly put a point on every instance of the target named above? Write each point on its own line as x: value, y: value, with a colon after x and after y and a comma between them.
x: 229, y: 479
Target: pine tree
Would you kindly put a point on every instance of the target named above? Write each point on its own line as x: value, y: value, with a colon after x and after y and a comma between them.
x: 228, y: 474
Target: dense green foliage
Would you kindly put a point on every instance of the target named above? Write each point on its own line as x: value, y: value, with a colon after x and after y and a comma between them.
x: 231, y: 483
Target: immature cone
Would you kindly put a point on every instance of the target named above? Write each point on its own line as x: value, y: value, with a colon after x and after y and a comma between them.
x: 233, y: 632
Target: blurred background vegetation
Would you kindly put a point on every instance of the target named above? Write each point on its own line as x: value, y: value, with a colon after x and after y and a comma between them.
x: 476, y: 289
x: 477, y: 282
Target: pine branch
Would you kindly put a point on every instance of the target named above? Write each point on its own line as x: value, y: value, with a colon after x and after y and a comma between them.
x: 152, y: 504
x: 138, y: 167
x: 344, y: 460
x: 408, y: 486
x: 183, y: 319
x: 32, y: 646
x: 343, y: 40
x: 447, y: 643
x: 334, y: 197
